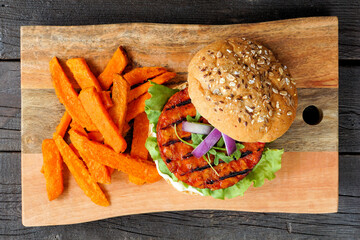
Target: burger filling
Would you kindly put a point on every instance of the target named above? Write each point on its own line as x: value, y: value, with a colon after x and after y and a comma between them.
x: 172, y: 150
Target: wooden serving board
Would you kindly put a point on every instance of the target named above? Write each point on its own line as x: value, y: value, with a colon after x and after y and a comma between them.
x: 308, y: 179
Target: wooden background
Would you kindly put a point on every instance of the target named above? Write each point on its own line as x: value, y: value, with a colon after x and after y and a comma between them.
x: 191, y: 224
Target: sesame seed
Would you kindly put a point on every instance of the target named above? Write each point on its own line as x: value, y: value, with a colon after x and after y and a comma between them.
x: 230, y: 77
x: 216, y: 91
x: 277, y: 104
x: 221, y: 109
x: 252, y: 122
x: 245, y: 123
x: 212, y: 80
x: 215, y: 110
x: 260, y: 119
x: 222, y: 80
x: 215, y: 69
x: 289, y: 113
x: 252, y: 81
x: 252, y: 65
x: 227, y: 87
x: 287, y: 81
x: 283, y: 93
x: 268, y: 83
x: 239, y: 120
x: 270, y: 113
x: 275, y: 90
x: 219, y: 54
x: 228, y: 50
x: 232, y: 84
x: 248, y: 108
x: 222, y: 102
x: 266, y: 129
x: 236, y: 72
x: 281, y: 71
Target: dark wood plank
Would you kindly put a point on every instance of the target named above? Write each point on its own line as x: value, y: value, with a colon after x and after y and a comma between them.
x: 15, y: 13
x: 349, y: 107
x: 10, y: 106
x: 196, y: 224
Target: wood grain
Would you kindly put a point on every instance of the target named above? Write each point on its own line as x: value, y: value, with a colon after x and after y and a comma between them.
x: 311, y: 58
x: 289, y: 192
x: 16, y: 13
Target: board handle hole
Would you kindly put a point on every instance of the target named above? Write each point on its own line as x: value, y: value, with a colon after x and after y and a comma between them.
x: 312, y: 115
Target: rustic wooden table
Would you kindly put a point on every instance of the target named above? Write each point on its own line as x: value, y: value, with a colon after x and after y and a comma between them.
x: 190, y: 224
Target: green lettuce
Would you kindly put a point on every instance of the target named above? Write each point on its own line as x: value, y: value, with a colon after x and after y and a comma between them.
x: 269, y: 163
x: 154, y: 105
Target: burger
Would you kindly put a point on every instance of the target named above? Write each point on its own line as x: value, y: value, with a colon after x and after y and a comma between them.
x: 209, y: 138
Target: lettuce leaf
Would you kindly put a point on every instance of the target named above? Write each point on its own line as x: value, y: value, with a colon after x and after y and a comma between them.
x: 154, y: 105
x: 268, y: 165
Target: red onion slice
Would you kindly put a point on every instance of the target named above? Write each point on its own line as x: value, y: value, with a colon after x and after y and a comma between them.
x: 207, y: 143
x: 230, y: 144
x: 199, y: 128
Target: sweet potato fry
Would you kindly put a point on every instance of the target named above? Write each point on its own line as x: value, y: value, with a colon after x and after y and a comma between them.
x: 74, y: 125
x: 116, y: 64
x: 68, y: 96
x: 126, y: 128
x: 120, y: 92
x: 140, y: 90
x: 106, y: 99
x: 96, y: 136
x: 140, y: 134
x: 135, y: 180
x: 75, y: 150
x: 80, y: 173
x: 140, y: 75
x: 98, y: 172
x: 52, y: 167
x: 63, y: 125
x: 136, y: 107
x: 111, y: 170
x: 92, y: 103
x: 82, y: 73
x: 124, y: 162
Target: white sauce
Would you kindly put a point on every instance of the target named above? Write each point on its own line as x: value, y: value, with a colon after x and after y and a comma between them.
x: 177, y: 185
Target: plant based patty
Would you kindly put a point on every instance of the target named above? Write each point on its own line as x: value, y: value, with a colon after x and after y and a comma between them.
x: 196, y: 171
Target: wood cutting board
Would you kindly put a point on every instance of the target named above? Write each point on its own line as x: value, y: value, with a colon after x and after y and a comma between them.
x: 308, y: 179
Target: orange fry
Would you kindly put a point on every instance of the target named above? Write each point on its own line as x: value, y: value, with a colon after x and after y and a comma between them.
x: 106, y: 99
x: 98, y: 172
x: 126, y: 128
x: 135, y: 180
x: 75, y: 150
x: 68, y: 96
x: 52, y: 167
x: 130, y: 165
x: 92, y: 103
x: 140, y: 134
x: 63, y: 125
x: 82, y: 73
x: 120, y: 92
x: 136, y: 107
x: 116, y: 64
x: 140, y: 75
x: 111, y: 170
x: 140, y: 90
x: 80, y: 173
x: 74, y: 125
x: 96, y: 136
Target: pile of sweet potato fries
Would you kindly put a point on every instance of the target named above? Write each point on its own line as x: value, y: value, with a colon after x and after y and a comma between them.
x: 96, y: 120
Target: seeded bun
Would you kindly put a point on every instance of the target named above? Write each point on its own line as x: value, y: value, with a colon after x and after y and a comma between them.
x: 243, y: 90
